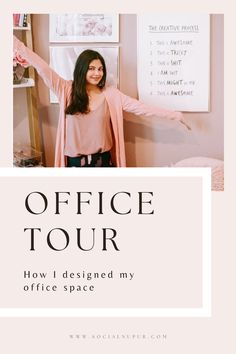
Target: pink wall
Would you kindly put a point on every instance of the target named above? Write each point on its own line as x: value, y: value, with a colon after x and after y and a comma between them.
x: 148, y: 143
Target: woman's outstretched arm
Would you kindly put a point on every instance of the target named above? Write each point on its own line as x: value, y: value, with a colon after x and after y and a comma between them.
x: 26, y: 56
x: 139, y: 108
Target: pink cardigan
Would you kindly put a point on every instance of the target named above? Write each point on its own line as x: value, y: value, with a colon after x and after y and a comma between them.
x: 117, y: 102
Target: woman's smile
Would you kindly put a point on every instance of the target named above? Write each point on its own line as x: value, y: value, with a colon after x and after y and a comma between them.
x: 95, y: 72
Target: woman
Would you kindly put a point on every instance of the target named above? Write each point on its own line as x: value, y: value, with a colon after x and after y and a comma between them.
x: 90, y: 128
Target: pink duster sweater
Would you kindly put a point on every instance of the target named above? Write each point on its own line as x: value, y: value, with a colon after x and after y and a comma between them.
x: 117, y: 103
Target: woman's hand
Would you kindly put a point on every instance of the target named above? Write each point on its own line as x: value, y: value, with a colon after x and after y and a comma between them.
x: 178, y: 116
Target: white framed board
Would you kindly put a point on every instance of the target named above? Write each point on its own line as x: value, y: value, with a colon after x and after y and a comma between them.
x: 174, y: 61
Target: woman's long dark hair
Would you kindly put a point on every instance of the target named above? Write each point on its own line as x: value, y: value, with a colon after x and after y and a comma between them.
x: 79, y: 98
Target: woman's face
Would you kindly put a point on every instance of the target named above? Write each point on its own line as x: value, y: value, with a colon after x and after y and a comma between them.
x: 95, y: 72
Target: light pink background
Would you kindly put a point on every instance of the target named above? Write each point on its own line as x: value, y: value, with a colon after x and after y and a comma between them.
x: 184, y: 335
x: 164, y: 250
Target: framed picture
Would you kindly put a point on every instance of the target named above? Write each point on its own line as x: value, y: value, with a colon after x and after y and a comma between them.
x: 63, y: 58
x: 84, y: 28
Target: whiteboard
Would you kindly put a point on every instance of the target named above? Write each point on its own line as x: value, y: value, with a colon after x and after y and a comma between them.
x: 63, y: 59
x: 174, y: 61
